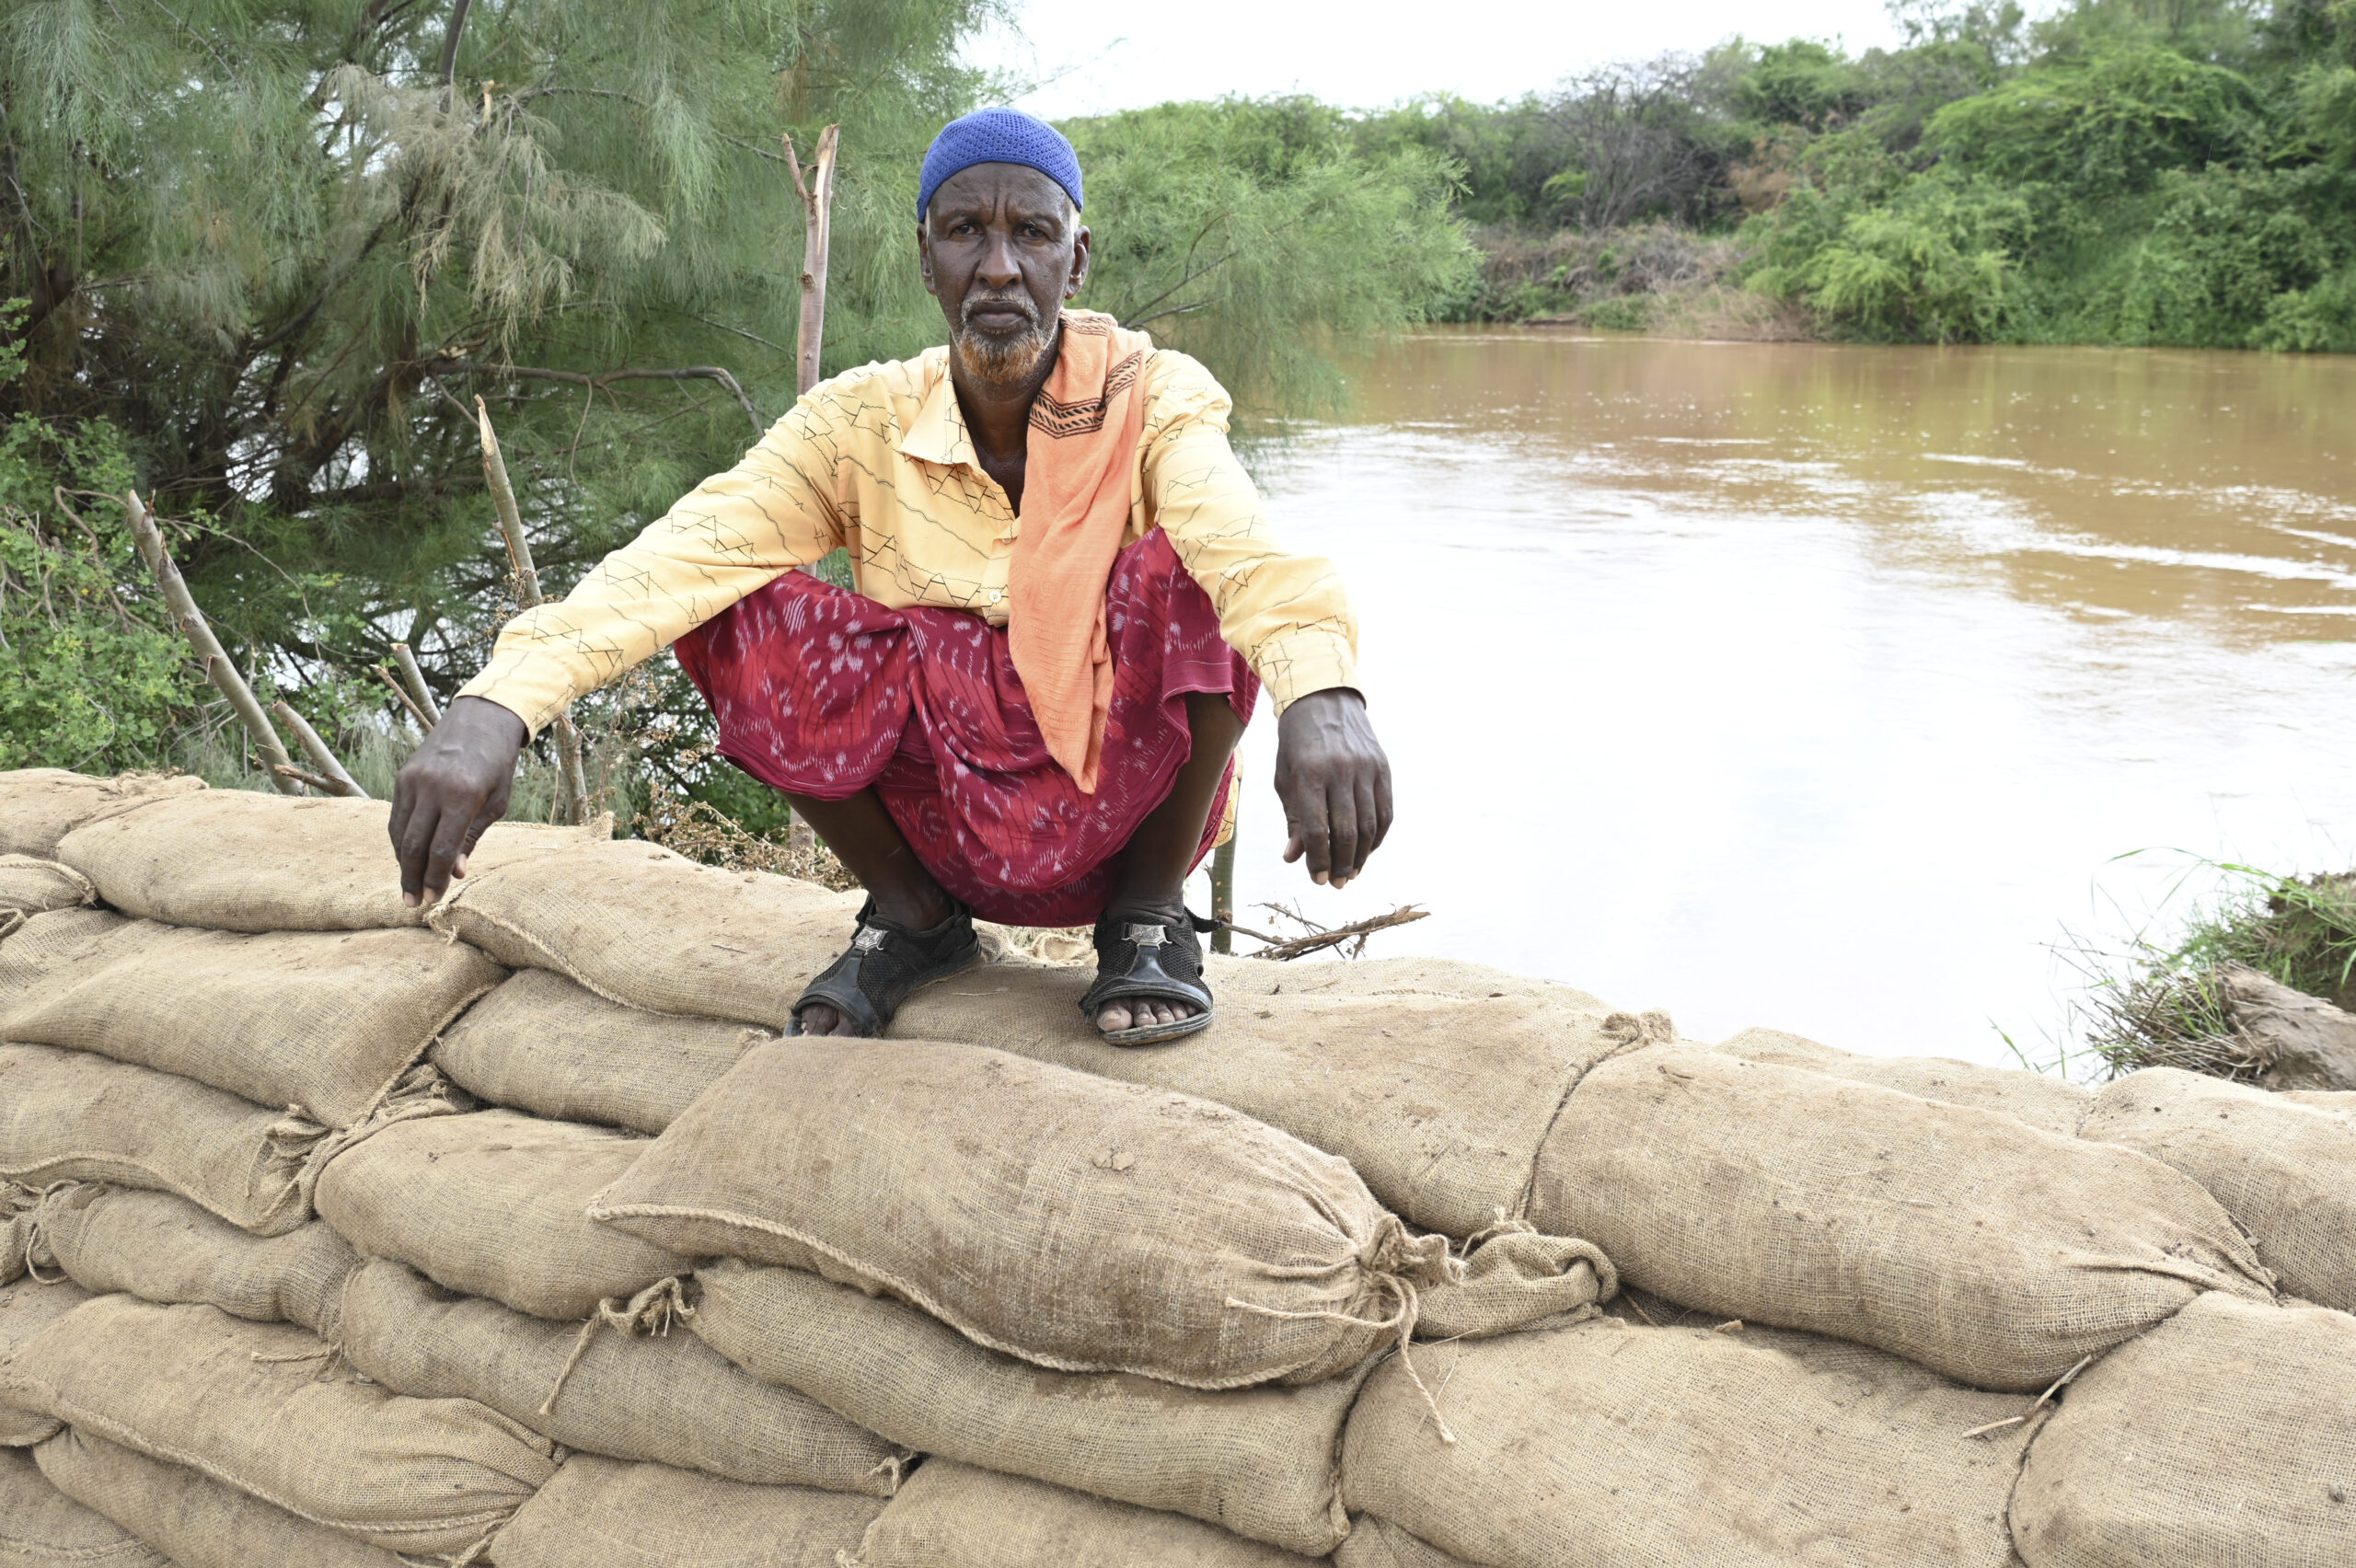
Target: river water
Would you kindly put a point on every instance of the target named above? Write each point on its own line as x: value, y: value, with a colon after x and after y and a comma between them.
x: 1827, y: 687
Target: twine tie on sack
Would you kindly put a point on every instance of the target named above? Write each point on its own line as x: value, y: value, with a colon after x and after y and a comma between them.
x: 1395, y: 1261
x: 651, y: 1311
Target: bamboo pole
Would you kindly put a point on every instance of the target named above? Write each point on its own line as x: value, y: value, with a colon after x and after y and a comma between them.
x: 415, y: 677
x: 339, y: 782
x: 572, y: 782
x: 199, y: 632
x: 817, y: 233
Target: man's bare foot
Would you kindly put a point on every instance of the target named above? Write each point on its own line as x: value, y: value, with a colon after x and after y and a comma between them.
x: 820, y: 1019
x: 1136, y: 1014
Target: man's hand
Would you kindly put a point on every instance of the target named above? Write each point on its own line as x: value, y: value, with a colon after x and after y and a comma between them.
x: 453, y: 789
x: 1334, y: 782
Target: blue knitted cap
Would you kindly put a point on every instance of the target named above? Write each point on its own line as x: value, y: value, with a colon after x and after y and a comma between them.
x: 998, y: 135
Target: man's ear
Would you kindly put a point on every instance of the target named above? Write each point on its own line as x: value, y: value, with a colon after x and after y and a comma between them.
x: 1079, y: 244
x: 924, y: 260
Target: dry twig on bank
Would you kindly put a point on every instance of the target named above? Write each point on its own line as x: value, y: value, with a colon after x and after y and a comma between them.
x: 1317, y: 939
x: 420, y: 694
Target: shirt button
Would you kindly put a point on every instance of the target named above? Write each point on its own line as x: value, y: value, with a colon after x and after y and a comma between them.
x: 995, y: 594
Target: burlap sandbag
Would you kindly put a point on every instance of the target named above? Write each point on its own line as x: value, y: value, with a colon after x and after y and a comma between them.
x: 50, y: 942
x: 1378, y: 1543
x: 2226, y: 1436
x: 72, y: 1116
x: 1608, y: 1443
x: 614, y: 1515
x: 2042, y: 1100
x: 541, y: 1044
x: 30, y: 885
x: 1260, y: 1461
x: 1407, y: 975
x: 1082, y: 1224
x: 192, y: 1519
x: 494, y: 1205
x: 251, y: 1406
x: 2285, y: 1172
x: 643, y: 927
x: 235, y: 860
x: 665, y: 1396
x: 324, y: 1021
x: 26, y: 1309
x: 1438, y: 1103
x: 41, y: 805
x: 43, y: 1527
x: 162, y: 1248
x: 1960, y: 1238
x: 954, y: 1515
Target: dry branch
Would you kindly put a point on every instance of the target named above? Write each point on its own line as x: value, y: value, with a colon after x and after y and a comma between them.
x: 1317, y: 937
x: 209, y: 652
x: 817, y: 233
x: 572, y: 782
x: 288, y: 771
x: 339, y: 781
x: 409, y: 703
x: 421, y: 694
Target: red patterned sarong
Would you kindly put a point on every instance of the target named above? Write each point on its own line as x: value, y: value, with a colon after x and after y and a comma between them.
x: 822, y: 692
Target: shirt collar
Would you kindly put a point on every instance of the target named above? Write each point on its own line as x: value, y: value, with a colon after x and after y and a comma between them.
x: 937, y: 434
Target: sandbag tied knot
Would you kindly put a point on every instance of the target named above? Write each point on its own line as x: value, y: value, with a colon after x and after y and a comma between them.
x: 31, y: 1208
x: 651, y: 1311
x: 1652, y: 1028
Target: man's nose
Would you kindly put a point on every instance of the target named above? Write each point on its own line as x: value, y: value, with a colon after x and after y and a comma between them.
x: 1000, y: 269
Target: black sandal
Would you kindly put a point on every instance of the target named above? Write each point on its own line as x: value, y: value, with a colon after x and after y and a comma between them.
x: 1150, y: 958
x: 886, y: 963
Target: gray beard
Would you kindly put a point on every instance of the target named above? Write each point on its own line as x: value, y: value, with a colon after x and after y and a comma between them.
x: 1001, y: 362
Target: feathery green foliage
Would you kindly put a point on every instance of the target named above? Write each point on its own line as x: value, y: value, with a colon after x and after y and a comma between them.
x: 1257, y: 235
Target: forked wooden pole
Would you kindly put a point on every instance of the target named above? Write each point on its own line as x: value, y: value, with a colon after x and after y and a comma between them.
x: 209, y: 652
x: 339, y: 782
x: 572, y: 782
x: 817, y: 233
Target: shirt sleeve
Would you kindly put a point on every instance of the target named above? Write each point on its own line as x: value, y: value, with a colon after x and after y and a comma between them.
x: 1286, y: 614
x: 731, y: 534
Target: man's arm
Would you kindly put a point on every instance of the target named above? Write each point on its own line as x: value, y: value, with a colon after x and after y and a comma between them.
x: 1287, y: 613
x: 730, y: 535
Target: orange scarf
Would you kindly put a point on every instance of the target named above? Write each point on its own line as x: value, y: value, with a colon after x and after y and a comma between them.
x: 1078, y: 461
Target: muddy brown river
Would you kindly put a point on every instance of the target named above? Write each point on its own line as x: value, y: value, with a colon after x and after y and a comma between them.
x: 1825, y: 687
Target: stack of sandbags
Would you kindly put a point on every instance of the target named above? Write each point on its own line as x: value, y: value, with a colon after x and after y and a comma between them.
x: 1436, y: 1081
x: 993, y: 1295
x: 1132, y: 1296
x: 1960, y: 1238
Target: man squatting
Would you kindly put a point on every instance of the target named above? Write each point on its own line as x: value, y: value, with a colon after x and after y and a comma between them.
x: 1068, y: 599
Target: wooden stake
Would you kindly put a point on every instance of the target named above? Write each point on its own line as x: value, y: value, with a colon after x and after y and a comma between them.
x: 420, y: 694
x: 209, y: 652
x: 339, y: 781
x: 1223, y: 893
x: 572, y: 782
x: 817, y: 231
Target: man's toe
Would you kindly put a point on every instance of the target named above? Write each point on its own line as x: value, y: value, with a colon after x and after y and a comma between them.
x: 1113, y: 1016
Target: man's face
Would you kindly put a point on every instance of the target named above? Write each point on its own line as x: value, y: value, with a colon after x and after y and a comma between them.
x: 1002, y: 249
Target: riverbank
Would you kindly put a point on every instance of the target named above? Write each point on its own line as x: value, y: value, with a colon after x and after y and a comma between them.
x: 1659, y: 279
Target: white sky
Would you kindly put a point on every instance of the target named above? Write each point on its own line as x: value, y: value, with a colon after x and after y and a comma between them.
x: 1111, y: 54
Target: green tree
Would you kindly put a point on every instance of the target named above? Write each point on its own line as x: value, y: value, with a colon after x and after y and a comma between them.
x: 1254, y: 234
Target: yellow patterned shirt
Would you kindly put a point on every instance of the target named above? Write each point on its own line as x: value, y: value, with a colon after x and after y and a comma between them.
x: 879, y: 460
